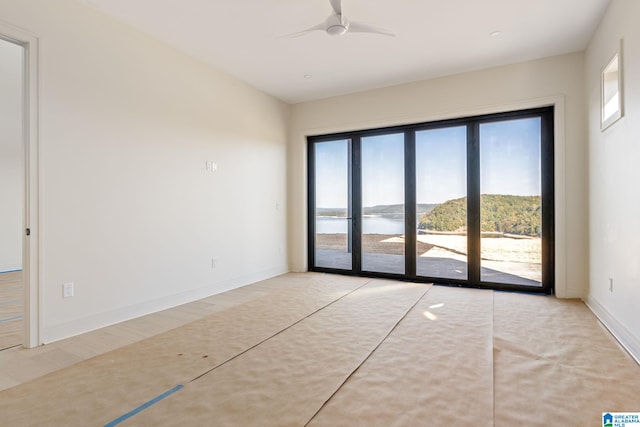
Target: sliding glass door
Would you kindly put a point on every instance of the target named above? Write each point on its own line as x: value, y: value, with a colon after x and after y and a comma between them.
x: 511, y: 202
x: 332, y: 216
x: 441, y: 190
x: 383, y: 212
x: 462, y: 202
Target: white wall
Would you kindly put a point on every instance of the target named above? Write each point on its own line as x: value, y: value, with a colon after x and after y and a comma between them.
x: 128, y: 212
x: 10, y: 156
x: 552, y: 80
x: 614, y: 174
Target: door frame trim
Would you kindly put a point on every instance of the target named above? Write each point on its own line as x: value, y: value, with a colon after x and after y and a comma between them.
x: 31, y: 202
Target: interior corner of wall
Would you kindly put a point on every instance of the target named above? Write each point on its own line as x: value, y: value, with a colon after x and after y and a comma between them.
x: 625, y: 337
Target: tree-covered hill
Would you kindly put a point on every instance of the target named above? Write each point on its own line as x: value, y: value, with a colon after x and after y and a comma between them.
x: 499, y: 213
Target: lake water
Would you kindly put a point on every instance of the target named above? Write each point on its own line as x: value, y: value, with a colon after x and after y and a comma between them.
x: 371, y: 225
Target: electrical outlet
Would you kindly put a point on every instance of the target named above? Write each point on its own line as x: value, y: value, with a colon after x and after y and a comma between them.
x: 67, y: 290
x: 610, y: 284
x: 214, y: 262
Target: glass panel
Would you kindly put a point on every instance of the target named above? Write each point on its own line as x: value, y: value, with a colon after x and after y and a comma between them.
x: 441, y: 189
x: 510, y: 202
x: 333, y: 242
x: 383, y: 203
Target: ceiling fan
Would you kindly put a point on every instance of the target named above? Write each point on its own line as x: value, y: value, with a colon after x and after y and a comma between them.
x: 337, y: 24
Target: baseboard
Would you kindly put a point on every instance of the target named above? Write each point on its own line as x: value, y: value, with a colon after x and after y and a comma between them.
x: 617, y: 329
x: 100, y: 320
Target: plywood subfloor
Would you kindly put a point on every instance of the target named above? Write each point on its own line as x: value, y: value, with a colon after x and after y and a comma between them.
x: 327, y: 350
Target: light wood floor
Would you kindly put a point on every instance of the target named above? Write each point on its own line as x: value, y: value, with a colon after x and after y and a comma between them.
x: 11, y: 309
x: 19, y: 365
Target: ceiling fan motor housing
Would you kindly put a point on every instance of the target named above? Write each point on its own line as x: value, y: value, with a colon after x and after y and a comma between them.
x: 336, y: 30
x: 336, y: 25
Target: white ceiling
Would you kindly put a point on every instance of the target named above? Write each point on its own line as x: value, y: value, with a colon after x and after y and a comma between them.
x: 433, y: 38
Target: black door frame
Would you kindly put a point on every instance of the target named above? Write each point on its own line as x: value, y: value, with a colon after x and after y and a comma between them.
x: 546, y: 115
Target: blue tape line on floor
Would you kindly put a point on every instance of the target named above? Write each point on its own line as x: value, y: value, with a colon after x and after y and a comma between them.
x: 9, y: 319
x: 13, y: 301
x: 143, y: 406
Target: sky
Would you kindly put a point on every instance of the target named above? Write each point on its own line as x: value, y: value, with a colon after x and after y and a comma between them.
x: 331, y: 174
x: 510, y: 157
x: 383, y: 170
x: 509, y: 164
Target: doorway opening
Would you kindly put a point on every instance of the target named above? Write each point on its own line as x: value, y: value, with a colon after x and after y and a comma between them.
x: 11, y: 195
x: 19, y: 225
x: 466, y: 202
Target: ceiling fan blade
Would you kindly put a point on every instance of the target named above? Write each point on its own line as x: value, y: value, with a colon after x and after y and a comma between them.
x: 361, y: 27
x: 337, y: 6
x: 320, y: 27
